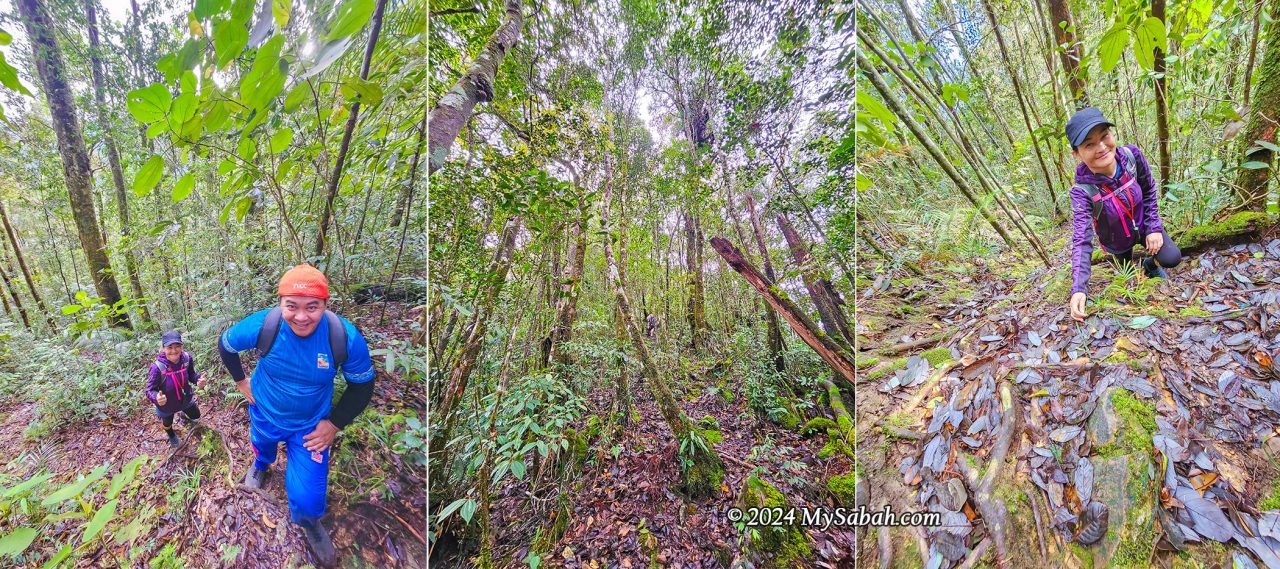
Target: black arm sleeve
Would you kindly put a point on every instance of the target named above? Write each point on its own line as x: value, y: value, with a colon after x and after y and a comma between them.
x: 352, y: 403
x: 232, y: 362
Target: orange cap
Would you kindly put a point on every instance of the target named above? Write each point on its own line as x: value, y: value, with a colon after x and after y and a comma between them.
x: 304, y: 280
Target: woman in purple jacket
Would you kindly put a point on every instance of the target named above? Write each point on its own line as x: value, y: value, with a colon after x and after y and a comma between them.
x: 1114, y: 198
x: 171, y: 382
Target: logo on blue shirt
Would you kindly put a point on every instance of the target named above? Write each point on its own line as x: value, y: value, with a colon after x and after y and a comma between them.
x: 322, y: 361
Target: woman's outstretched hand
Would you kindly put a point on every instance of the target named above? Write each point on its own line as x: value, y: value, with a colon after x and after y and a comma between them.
x: 1077, y: 304
x: 1154, y: 242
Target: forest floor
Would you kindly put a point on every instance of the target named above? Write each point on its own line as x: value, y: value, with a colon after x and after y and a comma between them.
x: 1143, y: 436
x: 193, y: 499
x: 621, y: 505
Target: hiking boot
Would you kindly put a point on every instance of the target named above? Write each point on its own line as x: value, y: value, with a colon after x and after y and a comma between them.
x: 255, y: 479
x: 318, y: 540
x: 173, y: 439
x: 1152, y: 269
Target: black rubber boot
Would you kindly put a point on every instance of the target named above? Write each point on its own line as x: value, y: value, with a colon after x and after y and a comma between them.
x: 173, y: 438
x: 255, y: 479
x: 318, y: 540
x: 1152, y: 269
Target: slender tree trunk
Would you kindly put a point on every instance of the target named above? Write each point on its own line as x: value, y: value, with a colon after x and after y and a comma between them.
x: 408, y: 208
x: 569, y: 287
x: 1253, y: 51
x: 974, y: 74
x: 26, y: 272
x: 400, y: 215
x: 697, y: 314
x: 475, y: 86
x: 470, y: 350
x: 1162, y: 107
x: 113, y: 159
x: 1264, y: 117
x: 822, y: 344
x: 1064, y: 28
x: 352, y: 119
x: 933, y: 149
x: 75, y: 157
x: 8, y: 285
x: 1059, y: 103
x: 829, y: 311
x: 776, y: 345
x: 1026, y: 115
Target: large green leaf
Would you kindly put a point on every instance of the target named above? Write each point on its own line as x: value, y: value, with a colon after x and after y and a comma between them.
x: 130, y: 469
x: 26, y: 485
x: 9, y: 77
x: 280, y: 10
x: 229, y: 39
x: 1151, y: 36
x: 57, y: 558
x: 326, y: 56
x: 1111, y: 47
x: 74, y: 489
x: 296, y: 96
x: 99, y: 521
x: 149, y: 104
x: 363, y: 92
x: 184, y: 107
x: 184, y: 186
x: 281, y: 140
x: 17, y: 541
x: 349, y: 18
x: 876, y: 108
x: 149, y: 175
x: 206, y: 8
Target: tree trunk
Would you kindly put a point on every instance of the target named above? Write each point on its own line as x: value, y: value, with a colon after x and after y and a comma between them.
x: 826, y: 348
x: 26, y: 272
x: 352, y: 119
x: 1251, y: 187
x: 1064, y: 29
x: 1253, y: 51
x: 8, y: 285
x: 113, y: 159
x: 776, y: 345
x: 75, y: 157
x: 933, y: 149
x: 697, y: 309
x: 470, y: 350
x: 570, y: 286
x: 1162, y: 107
x: 829, y: 311
x: 408, y: 208
x: 400, y: 215
x: 1019, y: 93
x: 475, y: 86
x: 975, y: 75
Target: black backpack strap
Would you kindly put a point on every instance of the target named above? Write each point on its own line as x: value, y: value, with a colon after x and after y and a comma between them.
x: 337, y: 339
x: 267, y: 335
x: 1130, y: 165
x: 1095, y: 206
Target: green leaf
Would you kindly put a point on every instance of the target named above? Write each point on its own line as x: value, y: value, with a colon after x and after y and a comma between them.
x: 9, y: 77
x: 280, y: 10
x: 1268, y: 145
x: 157, y: 129
x: 184, y: 186
x: 862, y: 182
x: 229, y: 39
x: 71, y: 309
x: 26, y: 485
x: 876, y: 108
x: 74, y: 489
x: 18, y: 541
x: 226, y: 166
x: 349, y: 18
x: 517, y: 468
x: 216, y: 117
x: 297, y: 95
x: 325, y: 57
x: 281, y: 140
x: 242, y: 207
x: 149, y: 104
x: 1151, y: 36
x: 149, y: 175
x: 127, y: 473
x: 57, y: 558
x: 188, y: 82
x: 207, y: 8
x: 184, y: 107
x: 247, y: 149
x: 363, y: 92
x: 1254, y: 165
x: 1111, y: 47
x: 468, y: 509
x: 99, y: 521
x: 5, y: 38
x: 1143, y: 321
x: 452, y: 507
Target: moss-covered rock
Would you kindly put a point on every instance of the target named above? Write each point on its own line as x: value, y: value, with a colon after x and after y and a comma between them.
x: 864, y: 363
x: 844, y: 488
x: 713, y: 436
x: 701, y: 469
x: 1236, y: 225
x: 1122, y: 481
x: 780, y: 546
x: 708, y: 422
x: 789, y: 421
x: 817, y: 425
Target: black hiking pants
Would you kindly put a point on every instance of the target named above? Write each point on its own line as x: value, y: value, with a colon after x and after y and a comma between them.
x: 1168, y: 256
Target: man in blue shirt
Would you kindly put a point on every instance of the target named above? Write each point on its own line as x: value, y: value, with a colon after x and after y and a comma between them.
x: 291, y: 391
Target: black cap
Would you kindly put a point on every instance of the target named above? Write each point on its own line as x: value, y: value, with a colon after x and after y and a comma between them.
x: 170, y: 337
x: 1082, y: 123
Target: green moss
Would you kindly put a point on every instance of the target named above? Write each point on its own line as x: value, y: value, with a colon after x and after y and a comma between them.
x: 1083, y: 554
x: 899, y: 420
x: 956, y: 294
x: 1137, y: 423
x: 937, y: 356
x: 887, y: 369
x: 577, y: 445
x: 713, y: 436
x: 867, y: 362
x: 843, y: 488
x: 703, y: 474
x: 1135, y: 550
x: 1235, y: 224
x: 830, y: 449
x: 1059, y: 286
x: 593, y: 427
x: 1097, y: 256
x: 1122, y: 357
x: 708, y: 422
x: 817, y: 425
x: 1272, y: 501
x: 1190, y: 311
x: 789, y: 421
x: 546, y: 537
x: 788, y: 543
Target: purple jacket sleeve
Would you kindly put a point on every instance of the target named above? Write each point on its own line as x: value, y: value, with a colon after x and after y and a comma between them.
x: 191, y: 371
x: 1150, y: 210
x: 153, y: 382
x: 1081, y: 240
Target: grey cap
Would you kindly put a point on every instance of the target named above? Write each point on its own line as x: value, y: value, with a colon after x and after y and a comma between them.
x: 1082, y: 123
x: 169, y: 338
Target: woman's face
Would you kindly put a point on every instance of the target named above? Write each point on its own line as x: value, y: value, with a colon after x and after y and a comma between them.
x: 1098, y: 151
x: 173, y: 352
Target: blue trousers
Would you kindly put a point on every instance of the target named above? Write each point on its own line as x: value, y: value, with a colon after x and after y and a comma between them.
x: 306, y: 477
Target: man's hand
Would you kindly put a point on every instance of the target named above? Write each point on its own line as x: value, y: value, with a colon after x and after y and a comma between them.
x: 1077, y: 305
x: 1154, y: 242
x: 322, y: 437
x: 245, y: 389
x: 161, y: 399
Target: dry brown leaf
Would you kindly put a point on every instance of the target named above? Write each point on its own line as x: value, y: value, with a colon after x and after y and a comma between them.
x: 1124, y: 343
x: 969, y: 512
x: 1263, y: 359
x: 1203, y: 481
x: 269, y: 523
